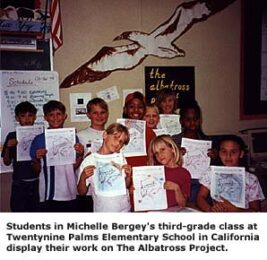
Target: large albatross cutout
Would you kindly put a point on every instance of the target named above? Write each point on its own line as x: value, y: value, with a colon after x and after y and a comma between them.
x: 159, y: 43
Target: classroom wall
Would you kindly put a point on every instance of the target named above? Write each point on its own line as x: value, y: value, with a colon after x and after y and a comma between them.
x: 212, y: 46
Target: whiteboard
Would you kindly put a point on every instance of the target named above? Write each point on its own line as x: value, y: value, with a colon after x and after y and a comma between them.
x: 37, y: 87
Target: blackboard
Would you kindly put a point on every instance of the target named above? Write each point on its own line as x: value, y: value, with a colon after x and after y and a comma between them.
x: 28, y: 60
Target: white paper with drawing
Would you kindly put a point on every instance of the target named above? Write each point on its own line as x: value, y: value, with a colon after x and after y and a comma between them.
x: 109, y: 178
x: 171, y: 123
x: 228, y: 183
x: 25, y: 136
x: 60, y: 145
x: 161, y: 131
x: 196, y: 160
x: 149, y: 193
x: 137, y: 130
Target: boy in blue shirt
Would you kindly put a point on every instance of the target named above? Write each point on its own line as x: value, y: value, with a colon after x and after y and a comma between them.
x: 24, y: 190
x: 57, y: 186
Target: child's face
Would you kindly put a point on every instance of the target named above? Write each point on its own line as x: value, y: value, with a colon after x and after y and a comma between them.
x: 164, y: 154
x: 230, y: 153
x: 98, y: 116
x: 167, y: 105
x: 114, y: 142
x: 55, y: 118
x: 190, y: 121
x: 135, y: 109
x: 26, y: 119
x: 151, y: 117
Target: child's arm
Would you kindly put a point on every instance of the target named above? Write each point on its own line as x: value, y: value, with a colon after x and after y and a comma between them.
x: 80, y: 151
x: 180, y: 198
x: 36, y: 161
x: 227, y: 206
x: 128, y: 172
x: 86, y: 173
x: 201, y: 200
x: 7, y: 158
x: 224, y: 206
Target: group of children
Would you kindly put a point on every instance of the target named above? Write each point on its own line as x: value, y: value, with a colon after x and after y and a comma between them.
x: 71, y: 188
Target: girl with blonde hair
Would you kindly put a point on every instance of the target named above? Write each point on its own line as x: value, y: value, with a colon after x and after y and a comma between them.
x: 164, y: 151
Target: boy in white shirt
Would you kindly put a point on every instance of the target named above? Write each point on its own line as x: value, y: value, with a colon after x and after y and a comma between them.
x: 97, y: 112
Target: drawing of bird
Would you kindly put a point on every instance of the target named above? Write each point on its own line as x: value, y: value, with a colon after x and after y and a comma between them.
x: 158, y: 43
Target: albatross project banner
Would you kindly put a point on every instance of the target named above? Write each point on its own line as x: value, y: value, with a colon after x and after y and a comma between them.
x: 181, y: 80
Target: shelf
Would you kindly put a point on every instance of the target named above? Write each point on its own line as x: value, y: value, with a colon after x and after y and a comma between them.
x: 24, y: 50
x: 30, y: 34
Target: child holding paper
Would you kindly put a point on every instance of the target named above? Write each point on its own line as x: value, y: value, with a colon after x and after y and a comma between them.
x: 58, y: 187
x: 190, y: 119
x: 135, y: 108
x: 105, y: 169
x: 164, y: 151
x: 231, y: 151
x: 97, y: 113
x: 24, y: 190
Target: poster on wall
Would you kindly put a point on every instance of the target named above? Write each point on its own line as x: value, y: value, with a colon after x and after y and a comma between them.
x: 37, y: 87
x: 180, y: 79
x: 109, y: 94
x: 78, y: 106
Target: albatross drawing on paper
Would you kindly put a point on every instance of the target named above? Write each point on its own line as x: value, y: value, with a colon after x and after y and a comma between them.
x: 159, y: 43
